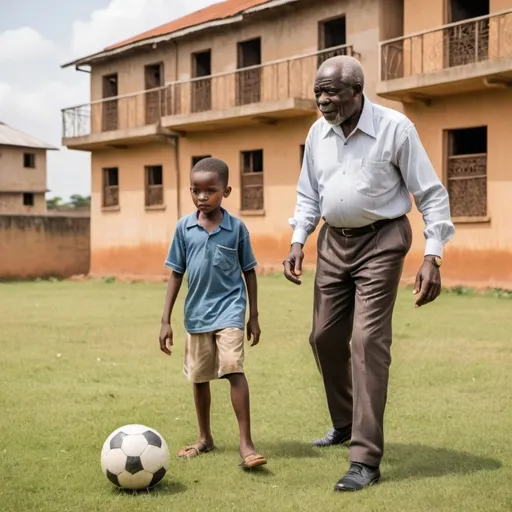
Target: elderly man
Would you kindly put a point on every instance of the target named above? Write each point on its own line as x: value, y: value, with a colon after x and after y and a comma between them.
x: 361, y: 160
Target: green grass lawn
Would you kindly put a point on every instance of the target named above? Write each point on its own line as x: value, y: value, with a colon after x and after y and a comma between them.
x: 81, y: 359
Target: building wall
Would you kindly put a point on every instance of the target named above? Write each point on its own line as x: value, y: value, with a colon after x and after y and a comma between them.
x: 12, y: 202
x: 15, y: 179
x: 34, y: 246
x: 132, y: 239
x: 284, y: 33
x: 419, y: 15
x: 479, y: 250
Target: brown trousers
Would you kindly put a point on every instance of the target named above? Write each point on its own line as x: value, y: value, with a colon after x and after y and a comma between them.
x: 356, y: 284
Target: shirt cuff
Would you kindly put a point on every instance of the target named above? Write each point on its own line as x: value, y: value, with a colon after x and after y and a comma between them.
x: 300, y: 236
x: 434, y: 247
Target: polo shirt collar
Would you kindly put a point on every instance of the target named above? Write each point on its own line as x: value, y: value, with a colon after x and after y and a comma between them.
x: 365, y: 123
x: 225, y: 224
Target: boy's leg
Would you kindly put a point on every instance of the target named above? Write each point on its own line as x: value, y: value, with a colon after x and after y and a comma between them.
x: 202, y: 400
x: 199, y: 367
x: 241, y: 405
x: 230, y: 353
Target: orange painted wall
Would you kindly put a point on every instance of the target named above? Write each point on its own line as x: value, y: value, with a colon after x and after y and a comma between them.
x: 43, y: 246
x: 481, y: 251
x: 132, y: 239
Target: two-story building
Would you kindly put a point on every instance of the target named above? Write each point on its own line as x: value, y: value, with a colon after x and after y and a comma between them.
x: 22, y: 172
x: 234, y: 81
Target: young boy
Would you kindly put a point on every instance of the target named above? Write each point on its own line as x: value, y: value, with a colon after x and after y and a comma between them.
x: 215, y: 249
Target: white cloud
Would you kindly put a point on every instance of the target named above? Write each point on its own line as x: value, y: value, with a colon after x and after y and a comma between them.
x: 24, y: 44
x: 31, y: 97
x: 123, y: 19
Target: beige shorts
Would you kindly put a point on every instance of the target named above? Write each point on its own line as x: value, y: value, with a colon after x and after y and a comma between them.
x: 213, y: 355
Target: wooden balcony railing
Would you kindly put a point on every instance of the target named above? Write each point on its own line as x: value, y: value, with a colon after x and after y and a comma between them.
x: 272, y: 81
x: 456, y: 44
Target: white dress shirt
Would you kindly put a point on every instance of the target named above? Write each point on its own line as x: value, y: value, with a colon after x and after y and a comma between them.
x: 367, y: 176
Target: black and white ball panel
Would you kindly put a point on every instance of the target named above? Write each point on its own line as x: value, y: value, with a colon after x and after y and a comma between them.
x: 135, y: 457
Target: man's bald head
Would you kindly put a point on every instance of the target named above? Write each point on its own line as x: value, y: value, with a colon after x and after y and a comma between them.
x: 347, y: 69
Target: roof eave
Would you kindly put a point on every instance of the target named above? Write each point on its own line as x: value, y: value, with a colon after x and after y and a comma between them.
x: 154, y: 40
x: 175, y: 35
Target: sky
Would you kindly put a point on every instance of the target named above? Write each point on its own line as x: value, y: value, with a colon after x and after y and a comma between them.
x: 36, y: 38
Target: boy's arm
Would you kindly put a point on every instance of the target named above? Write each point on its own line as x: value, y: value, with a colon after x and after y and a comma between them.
x: 166, y: 335
x: 248, y: 263
x: 253, y: 325
x: 173, y: 289
x: 177, y: 262
x: 252, y: 292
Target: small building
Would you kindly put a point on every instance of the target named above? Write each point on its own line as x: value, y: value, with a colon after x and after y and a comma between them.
x: 22, y: 172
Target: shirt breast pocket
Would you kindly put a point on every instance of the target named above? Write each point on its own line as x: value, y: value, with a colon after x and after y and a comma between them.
x: 226, y: 259
x: 376, y: 177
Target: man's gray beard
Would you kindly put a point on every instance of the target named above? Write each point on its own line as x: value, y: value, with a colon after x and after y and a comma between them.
x: 338, y: 120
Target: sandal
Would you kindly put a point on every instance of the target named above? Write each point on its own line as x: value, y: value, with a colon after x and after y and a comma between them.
x: 253, y: 460
x: 189, y: 452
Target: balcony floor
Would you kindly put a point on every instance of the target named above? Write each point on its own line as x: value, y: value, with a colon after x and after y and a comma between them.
x: 114, y: 138
x: 245, y: 115
x: 450, y: 81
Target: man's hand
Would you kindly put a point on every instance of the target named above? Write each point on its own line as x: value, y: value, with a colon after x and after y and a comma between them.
x: 293, y: 264
x: 428, y: 282
x: 253, y: 330
x: 165, y: 338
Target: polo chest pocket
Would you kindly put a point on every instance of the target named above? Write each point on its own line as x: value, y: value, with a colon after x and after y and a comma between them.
x: 375, y: 178
x: 225, y: 258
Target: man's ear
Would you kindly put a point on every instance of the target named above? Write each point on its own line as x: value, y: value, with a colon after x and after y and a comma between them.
x: 358, y: 90
x: 227, y: 192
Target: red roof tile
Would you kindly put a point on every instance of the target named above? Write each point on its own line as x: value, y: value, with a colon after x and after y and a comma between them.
x: 217, y: 11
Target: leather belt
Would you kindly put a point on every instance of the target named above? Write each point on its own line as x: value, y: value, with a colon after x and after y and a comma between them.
x: 362, y: 230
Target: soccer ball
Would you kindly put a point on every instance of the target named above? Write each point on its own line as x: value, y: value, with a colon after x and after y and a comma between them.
x: 135, y: 457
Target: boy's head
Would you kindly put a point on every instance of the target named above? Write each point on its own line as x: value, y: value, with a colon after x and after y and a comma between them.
x: 209, y: 180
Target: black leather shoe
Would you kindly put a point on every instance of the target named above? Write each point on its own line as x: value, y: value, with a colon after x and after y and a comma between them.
x: 334, y: 437
x: 358, y: 477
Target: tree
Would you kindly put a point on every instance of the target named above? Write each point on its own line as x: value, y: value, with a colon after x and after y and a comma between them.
x: 54, y: 203
x: 78, y: 201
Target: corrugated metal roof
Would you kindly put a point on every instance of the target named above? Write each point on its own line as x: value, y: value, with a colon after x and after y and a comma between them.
x: 11, y: 137
x: 223, y: 13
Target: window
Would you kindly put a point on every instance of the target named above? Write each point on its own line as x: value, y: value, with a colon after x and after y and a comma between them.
x: 109, y: 106
x: 154, y: 185
x: 466, y: 43
x: 248, y: 81
x: 302, y: 150
x: 196, y: 159
x: 110, y: 187
x: 251, y: 163
x: 29, y: 160
x: 467, y: 171
x: 201, y: 99
x: 28, y: 199
x: 332, y: 34
x: 154, y: 99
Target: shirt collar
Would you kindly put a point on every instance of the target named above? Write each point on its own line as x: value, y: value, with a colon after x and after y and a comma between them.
x: 365, y: 123
x: 225, y: 224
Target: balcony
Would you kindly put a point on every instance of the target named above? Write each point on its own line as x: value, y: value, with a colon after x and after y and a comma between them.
x: 467, y: 56
x: 265, y: 94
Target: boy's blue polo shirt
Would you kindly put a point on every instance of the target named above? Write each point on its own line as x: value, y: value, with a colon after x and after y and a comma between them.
x: 214, y: 263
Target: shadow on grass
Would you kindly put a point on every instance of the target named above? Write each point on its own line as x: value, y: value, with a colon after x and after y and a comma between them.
x: 293, y: 449
x: 166, y: 487
x: 422, y: 461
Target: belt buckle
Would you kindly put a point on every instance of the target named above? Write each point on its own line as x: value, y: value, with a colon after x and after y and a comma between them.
x: 344, y: 232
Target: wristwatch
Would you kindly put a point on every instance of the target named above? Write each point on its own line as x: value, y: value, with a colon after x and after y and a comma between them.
x: 436, y: 260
